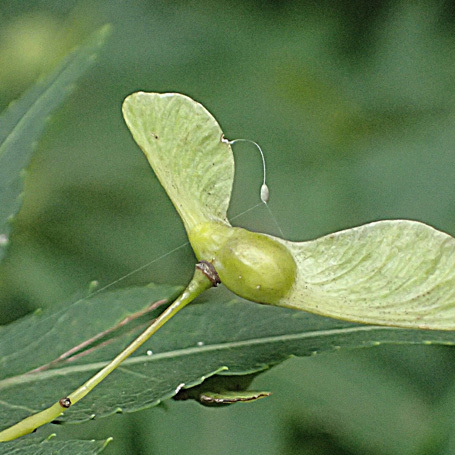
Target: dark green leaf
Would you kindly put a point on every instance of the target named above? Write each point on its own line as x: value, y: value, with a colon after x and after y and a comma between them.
x: 220, y: 335
x: 43, y: 336
x: 51, y: 447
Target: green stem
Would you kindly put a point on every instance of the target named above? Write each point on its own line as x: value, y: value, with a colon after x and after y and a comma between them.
x: 197, y: 285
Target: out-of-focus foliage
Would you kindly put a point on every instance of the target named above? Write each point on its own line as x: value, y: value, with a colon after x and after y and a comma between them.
x: 353, y: 104
x: 23, y: 122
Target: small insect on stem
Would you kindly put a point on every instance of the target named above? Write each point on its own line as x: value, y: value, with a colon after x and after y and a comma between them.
x: 65, y: 402
x: 209, y: 271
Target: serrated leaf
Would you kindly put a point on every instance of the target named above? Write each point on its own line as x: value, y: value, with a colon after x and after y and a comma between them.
x: 51, y: 446
x: 182, y: 142
x: 221, y: 335
x: 24, y: 120
x: 398, y: 272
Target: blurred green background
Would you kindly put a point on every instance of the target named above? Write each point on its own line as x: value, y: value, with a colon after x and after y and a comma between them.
x: 353, y: 103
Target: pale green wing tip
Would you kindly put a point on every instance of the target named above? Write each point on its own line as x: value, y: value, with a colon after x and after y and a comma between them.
x: 396, y: 273
x: 182, y: 142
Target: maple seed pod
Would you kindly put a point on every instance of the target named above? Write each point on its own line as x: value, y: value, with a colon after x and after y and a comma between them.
x: 252, y: 265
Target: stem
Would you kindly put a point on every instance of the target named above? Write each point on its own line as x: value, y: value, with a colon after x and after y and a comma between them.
x: 199, y: 283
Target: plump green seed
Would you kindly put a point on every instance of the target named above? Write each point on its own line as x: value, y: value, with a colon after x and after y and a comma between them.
x: 253, y: 266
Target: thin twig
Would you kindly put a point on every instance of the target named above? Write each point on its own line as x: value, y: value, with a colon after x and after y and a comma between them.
x: 71, y: 353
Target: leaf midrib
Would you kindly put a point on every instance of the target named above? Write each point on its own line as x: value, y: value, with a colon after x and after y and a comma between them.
x: 95, y: 366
